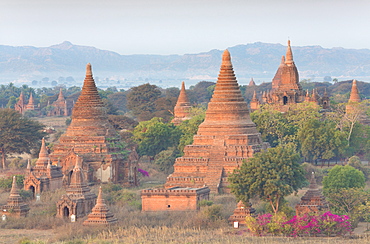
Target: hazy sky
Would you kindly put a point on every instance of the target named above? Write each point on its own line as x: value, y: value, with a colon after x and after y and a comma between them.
x: 184, y: 26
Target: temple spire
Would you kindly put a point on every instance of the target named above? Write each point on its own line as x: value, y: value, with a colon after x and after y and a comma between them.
x: 183, y: 98
x: 355, y: 96
x: 14, y: 191
x: 60, y: 96
x: 289, y: 55
x: 43, y: 159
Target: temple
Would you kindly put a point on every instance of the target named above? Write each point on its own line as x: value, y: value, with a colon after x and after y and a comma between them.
x: 21, y: 105
x: 60, y: 107
x: 240, y: 213
x: 43, y: 176
x: 15, y: 206
x: 182, y: 108
x: 312, y: 201
x: 354, y: 98
x: 79, y: 200
x: 224, y: 140
x: 286, y: 89
x: 100, y: 214
x: 92, y: 140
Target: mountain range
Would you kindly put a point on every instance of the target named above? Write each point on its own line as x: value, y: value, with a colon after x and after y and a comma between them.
x: 260, y: 60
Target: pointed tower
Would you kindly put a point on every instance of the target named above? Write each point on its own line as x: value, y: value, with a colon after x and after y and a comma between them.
x: 241, y: 212
x: 225, y: 138
x: 312, y: 201
x: 100, y: 214
x: 325, y: 101
x: 93, y: 139
x: 20, y: 106
x: 31, y: 103
x: 59, y: 106
x: 307, y: 97
x: 285, y: 85
x: 78, y: 200
x: 251, y: 82
x: 355, y: 95
x: 15, y: 205
x: 182, y: 108
x: 43, y: 176
x: 255, y: 103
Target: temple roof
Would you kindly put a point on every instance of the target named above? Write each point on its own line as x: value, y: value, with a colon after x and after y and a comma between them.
x: 355, y: 95
x: 227, y: 112
x: 43, y: 159
x: 251, y: 82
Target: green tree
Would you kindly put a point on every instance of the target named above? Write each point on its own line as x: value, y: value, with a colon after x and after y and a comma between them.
x: 190, y: 127
x: 343, y: 177
x: 321, y: 140
x: 18, y: 134
x: 154, y: 136
x: 141, y: 101
x: 165, y: 159
x: 270, y: 175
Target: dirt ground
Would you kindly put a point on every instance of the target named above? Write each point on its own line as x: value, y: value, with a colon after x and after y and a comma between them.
x: 17, y: 235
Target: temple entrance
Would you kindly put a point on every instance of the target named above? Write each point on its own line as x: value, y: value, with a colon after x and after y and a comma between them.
x: 32, y: 188
x: 66, y: 212
x: 285, y: 100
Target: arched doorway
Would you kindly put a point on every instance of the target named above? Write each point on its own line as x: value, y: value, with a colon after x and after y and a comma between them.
x: 285, y: 100
x: 66, y: 212
x: 32, y: 188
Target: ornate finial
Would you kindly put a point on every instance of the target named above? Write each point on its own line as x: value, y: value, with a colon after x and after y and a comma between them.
x: 289, y: 55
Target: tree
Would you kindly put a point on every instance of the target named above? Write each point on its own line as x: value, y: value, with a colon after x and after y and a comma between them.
x: 343, y: 177
x: 165, y: 159
x: 18, y: 134
x: 321, y: 140
x: 270, y: 175
x: 141, y: 100
x: 154, y: 136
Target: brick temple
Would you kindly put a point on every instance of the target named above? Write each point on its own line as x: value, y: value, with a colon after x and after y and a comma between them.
x: 21, y: 106
x: 15, y: 206
x: 182, y: 108
x: 224, y: 140
x: 240, y: 213
x: 100, y: 214
x: 312, y: 201
x: 79, y: 200
x: 91, y: 139
x: 43, y: 176
x: 286, y: 89
x: 60, y: 107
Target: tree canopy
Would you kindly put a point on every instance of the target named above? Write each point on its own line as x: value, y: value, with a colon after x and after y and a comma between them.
x: 270, y: 175
x: 18, y: 134
x: 341, y: 177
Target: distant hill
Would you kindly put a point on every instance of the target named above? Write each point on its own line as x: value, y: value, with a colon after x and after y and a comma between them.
x: 251, y: 60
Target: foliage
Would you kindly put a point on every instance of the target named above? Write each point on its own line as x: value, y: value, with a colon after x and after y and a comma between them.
x: 166, y: 159
x: 340, y: 177
x: 327, y: 224
x: 355, y: 162
x: 321, y: 140
x: 154, y: 136
x: 122, y: 122
x: 204, y: 203
x: 141, y: 100
x: 18, y: 134
x: 190, y: 127
x: 269, y: 175
x: 200, y: 93
x: 212, y: 212
x: 6, y: 182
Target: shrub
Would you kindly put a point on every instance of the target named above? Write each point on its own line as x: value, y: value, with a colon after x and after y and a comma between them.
x: 204, y: 203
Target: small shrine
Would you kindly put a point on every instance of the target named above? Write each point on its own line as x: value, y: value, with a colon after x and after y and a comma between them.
x: 240, y: 213
x: 15, y: 206
x: 79, y: 200
x: 182, y: 108
x: 173, y: 199
x: 312, y: 201
x: 43, y: 176
x: 100, y: 214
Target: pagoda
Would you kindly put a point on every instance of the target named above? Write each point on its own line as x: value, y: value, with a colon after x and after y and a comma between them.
x: 225, y: 139
x: 43, y: 176
x: 312, y: 201
x: 60, y: 106
x: 241, y: 212
x: 79, y: 200
x: 92, y: 139
x: 182, y: 108
x: 100, y: 214
x: 15, y: 205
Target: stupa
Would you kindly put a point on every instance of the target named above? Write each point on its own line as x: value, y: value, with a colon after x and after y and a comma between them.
x: 182, y: 108
x: 43, y: 176
x: 312, y: 201
x: 224, y: 140
x: 92, y: 139
x: 79, y: 200
x: 240, y: 213
x: 100, y: 214
x: 60, y: 106
x: 15, y: 206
